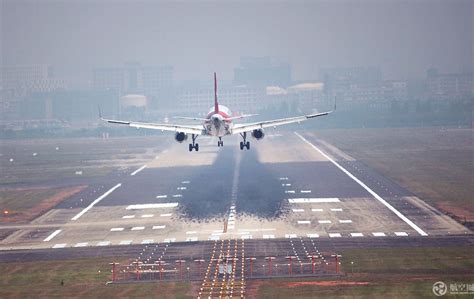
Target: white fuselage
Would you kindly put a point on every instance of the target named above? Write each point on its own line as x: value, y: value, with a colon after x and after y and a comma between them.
x: 218, y: 123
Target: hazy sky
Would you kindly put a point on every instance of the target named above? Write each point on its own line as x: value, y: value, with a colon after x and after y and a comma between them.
x: 404, y: 38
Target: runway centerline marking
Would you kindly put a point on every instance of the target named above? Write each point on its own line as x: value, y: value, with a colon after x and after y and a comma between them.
x: 313, y: 200
x: 334, y: 235
x: 117, y: 229
x: 380, y: 199
x: 61, y: 245
x: 138, y: 170
x: 51, y: 236
x: 152, y: 206
x: 95, y: 202
x: 357, y: 234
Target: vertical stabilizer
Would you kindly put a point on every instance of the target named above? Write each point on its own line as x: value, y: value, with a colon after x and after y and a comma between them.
x: 216, y: 105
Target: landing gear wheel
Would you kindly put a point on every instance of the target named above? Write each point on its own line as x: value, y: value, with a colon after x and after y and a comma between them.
x: 241, y: 145
x: 244, y: 143
x: 190, y: 147
x: 248, y: 145
x: 196, y: 147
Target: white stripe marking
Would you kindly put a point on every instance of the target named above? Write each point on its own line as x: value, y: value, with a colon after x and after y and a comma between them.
x: 61, y: 245
x: 298, y: 210
x: 269, y: 236
x: 158, y: 226
x: 191, y: 239
x: 214, y: 238
x: 378, y: 234
x: 138, y: 170
x: 181, y: 188
x: 161, y: 196
x: 147, y: 241
x: 95, y: 202
x: 125, y: 242
x: 357, y: 234
x: 116, y: 229
x: 317, y: 210
x: 336, y: 210
x: 165, y: 215
x: 83, y: 244
x: 324, y: 221
x: 128, y: 216
x: 304, y: 222
x: 185, y: 182
x: 103, y: 243
x: 380, y: 199
x: 305, y: 191
x: 289, y: 191
x: 291, y: 236
x: 177, y: 195
x: 191, y: 232
x: 147, y: 216
x: 138, y: 228
x: 401, y: 234
x: 334, y: 235
x: 153, y: 206
x: 246, y: 237
x: 312, y: 235
x: 51, y: 236
x: 345, y: 221
x: 169, y: 240
x: 286, y: 185
x: 312, y: 200
x: 284, y: 179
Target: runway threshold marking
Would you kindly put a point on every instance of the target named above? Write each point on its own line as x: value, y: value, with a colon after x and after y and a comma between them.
x: 138, y: 170
x: 372, y: 192
x: 51, y: 236
x: 96, y: 201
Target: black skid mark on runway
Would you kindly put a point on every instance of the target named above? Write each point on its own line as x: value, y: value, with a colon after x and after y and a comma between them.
x: 259, y: 190
x: 210, y: 188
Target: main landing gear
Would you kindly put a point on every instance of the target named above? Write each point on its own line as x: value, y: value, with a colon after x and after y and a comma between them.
x: 220, y: 142
x: 244, y: 143
x: 194, y: 145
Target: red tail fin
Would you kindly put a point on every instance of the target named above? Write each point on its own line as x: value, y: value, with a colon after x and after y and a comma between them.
x: 216, y: 105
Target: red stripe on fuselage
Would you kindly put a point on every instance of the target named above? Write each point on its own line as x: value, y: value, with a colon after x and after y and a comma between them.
x: 222, y: 113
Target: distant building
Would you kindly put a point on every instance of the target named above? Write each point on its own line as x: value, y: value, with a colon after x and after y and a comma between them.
x: 449, y: 86
x: 134, y: 78
x: 239, y: 99
x: 340, y: 78
x: 261, y: 72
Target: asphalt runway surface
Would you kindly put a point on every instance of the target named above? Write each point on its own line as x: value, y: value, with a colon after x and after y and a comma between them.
x: 287, y: 187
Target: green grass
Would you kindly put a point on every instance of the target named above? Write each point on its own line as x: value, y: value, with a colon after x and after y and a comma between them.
x: 83, y: 278
x: 387, y: 272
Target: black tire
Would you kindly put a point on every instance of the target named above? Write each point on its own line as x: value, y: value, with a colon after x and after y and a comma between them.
x: 241, y: 145
x: 190, y: 147
x: 197, y: 147
x: 248, y: 145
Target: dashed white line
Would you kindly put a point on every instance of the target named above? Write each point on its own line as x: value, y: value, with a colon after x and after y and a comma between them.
x: 185, y: 182
x: 297, y: 210
x: 152, y: 206
x: 161, y: 196
x: 147, y: 216
x: 138, y: 170
x: 138, y: 228
x: 378, y: 234
x: 291, y: 236
x: 324, y: 221
x: 177, y: 195
x: 290, y: 191
x: 60, y: 245
x: 214, y: 238
x: 95, y: 202
x: 147, y: 241
x: 380, y: 199
x: 284, y: 179
x: 52, y: 235
x: 191, y: 232
x: 336, y: 210
x: 304, y: 222
x: 334, y: 235
x: 158, y: 227
x: 128, y: 217
x: 357, y: 234
x: 305, y: 191
x: 246, y: 237
x: 125, y: 242
x: 166, y: 215
x: 312, y: 235
x: 312, y: 200
x: 103, y: 243
x: 286, y: 185
x: 116, y: 229
x: 345, y: 221
x: 169, y: 240
x: 191, y: 239
x: 181, y: 188
x: 317, y: 210
x: 269, y: 236
x: 401, y: 234
x: 82, y: 244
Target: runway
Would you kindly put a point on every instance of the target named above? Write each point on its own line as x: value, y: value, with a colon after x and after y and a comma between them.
x: 288, y: 186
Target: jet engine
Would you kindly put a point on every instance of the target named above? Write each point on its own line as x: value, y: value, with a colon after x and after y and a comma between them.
x: 258, y: 134
x: 180, y: 136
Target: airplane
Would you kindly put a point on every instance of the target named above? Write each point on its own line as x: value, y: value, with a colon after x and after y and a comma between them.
x: 218, y: 123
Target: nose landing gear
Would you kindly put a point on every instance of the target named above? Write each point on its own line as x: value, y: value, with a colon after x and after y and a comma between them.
x: 245, y: 143
x: 220, y: 142
x: 194, y: 145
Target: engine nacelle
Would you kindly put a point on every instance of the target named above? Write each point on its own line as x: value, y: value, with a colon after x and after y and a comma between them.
x: 258, y: 134
x: 180, y: 136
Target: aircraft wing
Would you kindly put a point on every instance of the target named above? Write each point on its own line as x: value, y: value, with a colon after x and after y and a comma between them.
x: 240, y: 128
x: 188, y: 129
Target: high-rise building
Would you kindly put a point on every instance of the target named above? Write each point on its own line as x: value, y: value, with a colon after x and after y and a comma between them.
x: 262, y: 72
x: 449, y: 86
